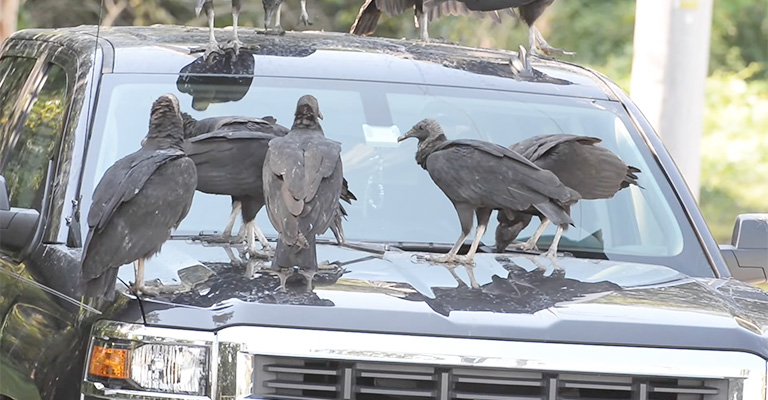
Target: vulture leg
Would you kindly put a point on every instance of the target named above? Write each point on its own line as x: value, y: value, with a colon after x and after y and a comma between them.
x: 236, y: 43
x: 278, y: 26
x: 552, y: 252
x: 236, y: 210
x: 539, y: 45
x: 531, y: 243
x: 252, y: 232
x: 138, y: 270
x: 213, y: 45
x: 465, y: 218
x: 483, y: 215
x: 422, y: 19
x: 304, y: 18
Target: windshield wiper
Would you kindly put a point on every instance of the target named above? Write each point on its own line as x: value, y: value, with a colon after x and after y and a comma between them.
x: 369, y: 247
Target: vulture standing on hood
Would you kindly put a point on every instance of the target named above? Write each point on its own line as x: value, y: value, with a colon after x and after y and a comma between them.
x: 139, y: 200
x: 591, y: 170
x: 215, y: 151
x: 302, y: 185
x: 479, y: 177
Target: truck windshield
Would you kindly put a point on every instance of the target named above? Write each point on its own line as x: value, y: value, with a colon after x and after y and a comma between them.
x: 397, y: 201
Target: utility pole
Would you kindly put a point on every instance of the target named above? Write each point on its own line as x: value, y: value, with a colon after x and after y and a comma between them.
x: 9, y: 14
x: 669, y: 71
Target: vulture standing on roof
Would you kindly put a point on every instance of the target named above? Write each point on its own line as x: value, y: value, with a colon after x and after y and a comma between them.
x: 427, y: 10
x: 139, y: 200
x: 213, y: 45
x: 302, y: 185
x: 591, y: 170
x: 424, y: 11
x: 479, y: 177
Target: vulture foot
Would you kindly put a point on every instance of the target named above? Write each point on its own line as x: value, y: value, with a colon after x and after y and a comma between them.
x: 448, y: 259
x: 525, y: 246
x: 549, y: 52
x: 208, y: 50
x: 304, y: 19
x: 235, y: 45
x: 326, y: 266
x: 265, y: 253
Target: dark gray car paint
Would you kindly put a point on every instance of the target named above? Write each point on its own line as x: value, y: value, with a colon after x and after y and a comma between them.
x: 657, y: 308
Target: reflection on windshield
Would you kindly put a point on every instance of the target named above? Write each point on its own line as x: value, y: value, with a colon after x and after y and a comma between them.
x: 397, y: 201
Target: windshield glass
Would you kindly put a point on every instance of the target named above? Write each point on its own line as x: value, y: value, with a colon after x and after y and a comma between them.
x: 397, y: 201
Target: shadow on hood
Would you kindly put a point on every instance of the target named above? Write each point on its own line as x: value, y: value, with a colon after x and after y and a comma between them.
x: 521, y: 291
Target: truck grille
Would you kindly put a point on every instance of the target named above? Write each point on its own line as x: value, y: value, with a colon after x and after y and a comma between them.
x: 291, y: 378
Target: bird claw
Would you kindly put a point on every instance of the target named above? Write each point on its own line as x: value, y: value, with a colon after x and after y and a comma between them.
x: 447, y: 259
x: 548, y: 52
x: 208, y: 50
x: 304, y: 19
x: 265, y: 253
x: 525, y: 246
x: 233, y: 45
x: 326, y: 266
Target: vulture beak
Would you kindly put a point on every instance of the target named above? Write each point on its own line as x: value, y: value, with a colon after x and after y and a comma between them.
x: 407, y: 135
x: 319, y: 114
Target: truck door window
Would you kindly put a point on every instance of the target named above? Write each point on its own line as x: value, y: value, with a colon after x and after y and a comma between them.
x: 36, y: 141
x: 13, y: 74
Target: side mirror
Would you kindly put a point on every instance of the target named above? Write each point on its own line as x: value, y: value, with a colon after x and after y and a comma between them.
x: 17, y: 225
x: 747, y: 255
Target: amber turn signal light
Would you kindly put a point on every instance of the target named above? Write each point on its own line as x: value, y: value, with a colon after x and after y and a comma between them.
x: 109, y: 362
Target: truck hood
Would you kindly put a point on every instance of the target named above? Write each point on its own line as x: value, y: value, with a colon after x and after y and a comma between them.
x: 503, y: 296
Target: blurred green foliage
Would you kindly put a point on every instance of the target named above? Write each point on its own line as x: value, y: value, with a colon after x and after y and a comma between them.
x: 735, y: 143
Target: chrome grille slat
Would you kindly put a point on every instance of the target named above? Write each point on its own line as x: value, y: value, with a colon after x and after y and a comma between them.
x: 396, y: 392
x: 685, y: 390
x: 489, y: 381
x: 297, y: 370
x: 396, y: 376
x: 597, y: 386
x: 299, y: 386
x: 475, y: 396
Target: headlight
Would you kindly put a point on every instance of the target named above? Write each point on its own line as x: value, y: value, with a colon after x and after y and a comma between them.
x: 170, y: 368
x: 127, y: 359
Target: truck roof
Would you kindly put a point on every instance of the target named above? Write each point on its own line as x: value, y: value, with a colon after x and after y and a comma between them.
x: 165, y: 49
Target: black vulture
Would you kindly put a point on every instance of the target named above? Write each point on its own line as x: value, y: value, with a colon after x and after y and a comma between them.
x: 194, y: 127
x: 591, y: 170
x: 229, y: 162
x: 213, y: 45
x: 479, y: 177
x: 424, y: 11
x: 140, y: 198
x: 427, y: 10
x: 302, y: 185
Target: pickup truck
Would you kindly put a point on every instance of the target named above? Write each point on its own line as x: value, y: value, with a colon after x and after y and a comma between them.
x: 644, y: 304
